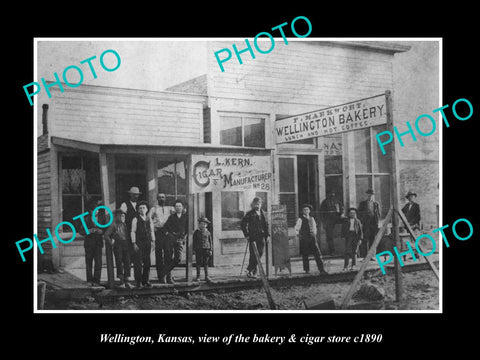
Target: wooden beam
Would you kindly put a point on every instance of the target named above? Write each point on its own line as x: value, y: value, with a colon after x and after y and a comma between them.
x: 409, y: 229
x: 265, y: 284
x: 190, y: 219
x: 366, y: 260
x: 104, y: 183
x: 395, y: 199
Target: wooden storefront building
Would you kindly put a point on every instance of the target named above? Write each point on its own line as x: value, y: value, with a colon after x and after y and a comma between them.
x: 210, y: 141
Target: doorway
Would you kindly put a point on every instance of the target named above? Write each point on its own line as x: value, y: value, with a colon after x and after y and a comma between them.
x: 307, y: 176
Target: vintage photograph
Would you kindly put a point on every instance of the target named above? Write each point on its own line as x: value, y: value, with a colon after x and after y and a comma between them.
x: 257, y: 185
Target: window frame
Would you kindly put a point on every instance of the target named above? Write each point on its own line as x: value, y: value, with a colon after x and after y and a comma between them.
x: 242, y: 117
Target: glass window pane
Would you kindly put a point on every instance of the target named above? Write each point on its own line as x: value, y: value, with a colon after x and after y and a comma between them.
x: 380, y: 161
x: 362, y: 184
x: 254, y: 132
x: 263, y: 195
x: 231, y: 130
x: 71, y: 207
x: 289, y: 200
x: 362, y: 151
x: 332, y: 147
x: 285, y: 171
x: 232, y: 214
x: 72, y: 175
x: 334, y: 183
x: 181, y: 179
x: 166, y: 177
x: 127, y: 162
x: 382, y: 193
x: 92, y: 175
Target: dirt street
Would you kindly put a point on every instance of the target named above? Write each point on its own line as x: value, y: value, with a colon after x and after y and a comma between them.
x: 420, y: 293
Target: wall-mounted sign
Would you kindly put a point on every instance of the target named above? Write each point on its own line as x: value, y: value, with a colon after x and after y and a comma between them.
x: 231, y: 173
x: 355, y: 115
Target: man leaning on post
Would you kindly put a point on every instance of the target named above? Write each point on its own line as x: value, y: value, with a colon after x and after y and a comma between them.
x: 255, y: 229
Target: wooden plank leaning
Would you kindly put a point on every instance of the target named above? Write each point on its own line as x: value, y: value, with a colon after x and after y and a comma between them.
x: 410, y: 231
x: 367, y: 258
x: 266, y: 286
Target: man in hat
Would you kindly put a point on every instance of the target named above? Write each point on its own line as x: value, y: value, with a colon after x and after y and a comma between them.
x: 93, y: 244
x: 117, y: 236
x: 202, y: 246
x: 176, y: 231
x: 130, y: 207
x: 369, y: 215
x: 143, y: 237
x: 159, y: 215
x: 306, y: 229
x: 412, y: 211
x: 331, y: 211
x: 255, y: 228
x: 352, y: 232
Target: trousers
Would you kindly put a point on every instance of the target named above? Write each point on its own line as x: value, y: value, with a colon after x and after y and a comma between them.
x: 160, y: 252
x: 141, y: 262
x: 310, y: 246
x: 173, y: 253
x: 93, y: 258
x: 252, y: 260
x: 121, y: 250
x: 202, y: 256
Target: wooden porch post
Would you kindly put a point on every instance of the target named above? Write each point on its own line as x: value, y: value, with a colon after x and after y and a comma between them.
x: 190, y: 218
x: 394, y: 181
x: 105, y: 186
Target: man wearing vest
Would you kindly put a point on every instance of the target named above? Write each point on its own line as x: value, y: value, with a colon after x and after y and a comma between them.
x: 159, y: 215
x: 331, y: 211
x: 130, y: 207
x: 369, y: 215
x: 142, y: 237
x: 306, y: 229
x: 255, y: 228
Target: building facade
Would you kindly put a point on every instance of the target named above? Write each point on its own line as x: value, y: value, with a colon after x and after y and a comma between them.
x: 211, y: 142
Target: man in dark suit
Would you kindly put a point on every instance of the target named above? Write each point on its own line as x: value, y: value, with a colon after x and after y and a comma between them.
x: 331, y: 211
x: 412, y: 211
x: 369, y: 215
x: 255, y: 229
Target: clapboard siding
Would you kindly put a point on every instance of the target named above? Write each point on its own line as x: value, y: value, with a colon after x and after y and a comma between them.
x: 119, y: 116
x: 301, y: 72
x: 44, y: 209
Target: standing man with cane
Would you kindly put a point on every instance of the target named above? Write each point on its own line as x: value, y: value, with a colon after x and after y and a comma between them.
x: 255, y: 229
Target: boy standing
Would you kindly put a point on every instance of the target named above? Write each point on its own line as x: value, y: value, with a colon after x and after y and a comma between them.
x: 142, y: 236
x: 117, y: 236
x: 353, y: 233
x: 202, y: 245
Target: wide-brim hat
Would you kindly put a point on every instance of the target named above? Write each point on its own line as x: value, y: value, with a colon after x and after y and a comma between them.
x: 352, y: 208
x: 307, y: 206
x: 204, y: 219
x: 134, y: 190
x: 370, y: 191
x: 410, y: 193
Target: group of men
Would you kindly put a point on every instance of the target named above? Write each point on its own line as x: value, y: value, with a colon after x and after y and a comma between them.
x: 134, y: 232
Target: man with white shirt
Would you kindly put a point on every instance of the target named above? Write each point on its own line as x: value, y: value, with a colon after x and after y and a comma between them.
x: 159, y: 215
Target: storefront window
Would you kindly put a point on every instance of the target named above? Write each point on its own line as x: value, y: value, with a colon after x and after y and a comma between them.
x: 288, y: 195
x: 232, y: 213
x: 80, y: 178
x: 172, y: 181
x: 371, y: 168
x: 333, y: 153
x: 242, y: 131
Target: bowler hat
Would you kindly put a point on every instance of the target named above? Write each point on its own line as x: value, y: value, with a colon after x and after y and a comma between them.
x: 204, y: 219
x: 352, y: 208
x: 410, y: 193
x: 134, y: 190
x: 370, y: 191
x: 307, y: 206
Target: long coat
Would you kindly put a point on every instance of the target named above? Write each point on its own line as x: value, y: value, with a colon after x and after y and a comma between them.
x: 412, y: 215
x: 367, y: 219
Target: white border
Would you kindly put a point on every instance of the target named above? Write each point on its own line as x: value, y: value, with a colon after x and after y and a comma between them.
x: 307, y: 39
